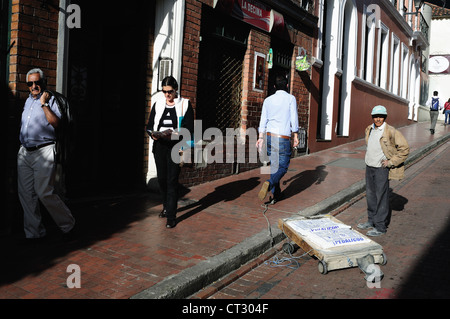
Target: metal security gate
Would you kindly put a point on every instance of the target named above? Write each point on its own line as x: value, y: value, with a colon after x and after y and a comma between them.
x: 220, y: 89
x: 229, y: 97
x: 220, y: 74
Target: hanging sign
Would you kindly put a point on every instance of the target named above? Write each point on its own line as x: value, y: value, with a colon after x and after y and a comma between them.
x: 270, y: 58
x: 255, y: 13
x: 301, y: 63
x: 249, y: 11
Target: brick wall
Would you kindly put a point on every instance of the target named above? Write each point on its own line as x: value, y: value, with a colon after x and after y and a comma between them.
x: 301, y: 81
x: 251, y: 100
x: 190, y: 175
x: 191, y: 43
x: 34, y: 29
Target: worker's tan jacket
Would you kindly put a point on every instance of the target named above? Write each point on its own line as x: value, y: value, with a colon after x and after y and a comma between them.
x: 395, y: 148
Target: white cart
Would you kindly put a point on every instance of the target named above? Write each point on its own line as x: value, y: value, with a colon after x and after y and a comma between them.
x: 341, y: 251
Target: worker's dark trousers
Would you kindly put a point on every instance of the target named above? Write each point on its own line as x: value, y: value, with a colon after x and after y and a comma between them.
x: 377, y: 196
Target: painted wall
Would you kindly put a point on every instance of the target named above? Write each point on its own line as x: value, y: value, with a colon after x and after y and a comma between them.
x: 440, y: 45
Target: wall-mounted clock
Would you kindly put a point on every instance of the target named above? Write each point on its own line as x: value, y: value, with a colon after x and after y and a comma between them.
x: 438, y: 64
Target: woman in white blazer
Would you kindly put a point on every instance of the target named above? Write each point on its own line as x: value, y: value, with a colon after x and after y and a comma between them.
x: 167, y: 116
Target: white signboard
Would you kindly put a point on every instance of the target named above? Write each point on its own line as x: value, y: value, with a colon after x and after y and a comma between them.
x: 326, y: 233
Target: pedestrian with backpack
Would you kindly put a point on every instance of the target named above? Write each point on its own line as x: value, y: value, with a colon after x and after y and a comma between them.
x: 435, y: 105
x: 36, y: 161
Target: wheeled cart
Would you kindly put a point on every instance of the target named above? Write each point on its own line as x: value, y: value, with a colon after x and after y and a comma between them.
x: 333, y: 243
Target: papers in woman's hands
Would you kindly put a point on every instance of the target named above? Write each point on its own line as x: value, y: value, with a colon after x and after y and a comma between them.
x: 160, y: 134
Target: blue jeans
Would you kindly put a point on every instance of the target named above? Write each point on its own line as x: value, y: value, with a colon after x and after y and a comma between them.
x: 447, y: 116
x: 279, y: 152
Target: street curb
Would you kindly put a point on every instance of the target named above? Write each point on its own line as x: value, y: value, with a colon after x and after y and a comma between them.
x: 425, y: 149
x: 191, y: 280
x: 359, y: 187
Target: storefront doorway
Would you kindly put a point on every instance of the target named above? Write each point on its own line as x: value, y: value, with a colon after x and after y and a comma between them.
x: 282, y: 56
x: 106, y: 87
x: 222, y: 50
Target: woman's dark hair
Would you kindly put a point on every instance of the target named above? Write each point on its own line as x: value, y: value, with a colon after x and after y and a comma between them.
x: 170, y: 81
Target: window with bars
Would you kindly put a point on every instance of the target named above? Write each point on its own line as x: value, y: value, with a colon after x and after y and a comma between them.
x: 164, y: 69
x: 221, y: 57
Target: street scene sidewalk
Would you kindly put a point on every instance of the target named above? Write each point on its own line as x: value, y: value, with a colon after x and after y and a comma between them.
x: 124, y: 250
x: 415, y: 247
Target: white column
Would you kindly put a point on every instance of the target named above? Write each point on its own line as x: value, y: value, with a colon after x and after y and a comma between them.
x: 169, y: 32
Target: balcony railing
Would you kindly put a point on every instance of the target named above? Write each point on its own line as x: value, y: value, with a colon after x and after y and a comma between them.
x: 420, y: 28
x: 423, y: 26
x: 307, y: 5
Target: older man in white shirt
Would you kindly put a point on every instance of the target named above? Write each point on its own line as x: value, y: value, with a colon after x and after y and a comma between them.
x: 35, y: 161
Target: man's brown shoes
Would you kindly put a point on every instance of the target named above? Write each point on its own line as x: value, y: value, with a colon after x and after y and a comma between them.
x: 264, y: 189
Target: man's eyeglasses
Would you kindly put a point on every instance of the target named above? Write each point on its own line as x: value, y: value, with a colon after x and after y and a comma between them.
x: 37, y: 83
x: 168, y: 92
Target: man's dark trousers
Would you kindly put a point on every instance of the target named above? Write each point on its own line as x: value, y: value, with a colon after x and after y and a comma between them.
x: 377, y: 196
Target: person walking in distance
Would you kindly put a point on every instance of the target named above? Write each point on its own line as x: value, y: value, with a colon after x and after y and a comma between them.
x: 435, y: 105
x: 447, y: 112
x: 387, y: 150
x: 279, y: 121
x: 36, y: 161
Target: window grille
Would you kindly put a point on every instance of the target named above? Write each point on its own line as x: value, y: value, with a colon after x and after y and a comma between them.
x: 164, y: 69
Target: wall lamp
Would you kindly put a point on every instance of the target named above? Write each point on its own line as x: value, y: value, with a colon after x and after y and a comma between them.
x: 417, y: 4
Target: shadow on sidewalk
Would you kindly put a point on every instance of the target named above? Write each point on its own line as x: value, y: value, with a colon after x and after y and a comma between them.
x: 396, y: 203
x: 225, y: 193
x: 303, y: 180
x: 94, y: 222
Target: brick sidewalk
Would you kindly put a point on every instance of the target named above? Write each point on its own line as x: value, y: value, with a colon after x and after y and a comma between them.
x: 125, y: 248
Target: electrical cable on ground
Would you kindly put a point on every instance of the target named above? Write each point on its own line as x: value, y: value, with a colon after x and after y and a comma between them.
x: 281, y: 262
x: 268, y: 224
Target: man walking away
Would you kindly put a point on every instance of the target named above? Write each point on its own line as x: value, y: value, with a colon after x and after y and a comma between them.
x: 279, y: 120
x: 435, y: 105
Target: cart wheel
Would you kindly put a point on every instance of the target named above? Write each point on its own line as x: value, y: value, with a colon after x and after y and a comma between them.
x: 383, y: 259
x: 322, y: 267
x: 288, y: 248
